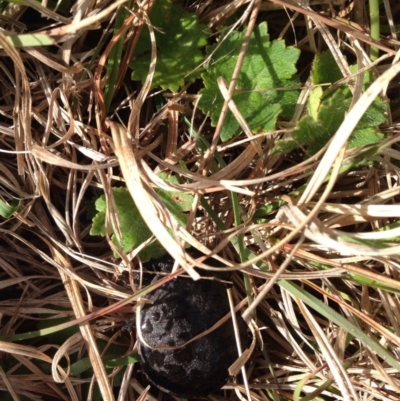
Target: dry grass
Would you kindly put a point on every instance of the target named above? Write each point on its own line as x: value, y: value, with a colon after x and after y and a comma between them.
x: 324, y: 307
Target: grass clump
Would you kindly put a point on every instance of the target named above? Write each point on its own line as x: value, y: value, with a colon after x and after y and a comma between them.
x: 276, y: 149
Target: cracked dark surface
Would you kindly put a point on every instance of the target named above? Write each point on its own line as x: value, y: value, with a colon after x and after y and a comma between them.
x: 180, y: 310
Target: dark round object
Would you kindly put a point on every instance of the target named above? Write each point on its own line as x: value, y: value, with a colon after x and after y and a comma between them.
x: 180, y: 310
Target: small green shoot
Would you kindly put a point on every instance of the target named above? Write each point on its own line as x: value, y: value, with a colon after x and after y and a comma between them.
x: 8, y: 210
x: 114, y: 60
x: 375, y: 27
x: 83, y: 365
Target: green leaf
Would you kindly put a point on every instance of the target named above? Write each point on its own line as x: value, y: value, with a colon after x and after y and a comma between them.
x: 179, y: 39
x: 363, y: 137
x: 314, y: 102
x: 134, y: 230
x: 176, y: 202
x: 316, y: 133
x: 99, y: 220
x: 326, y: 114
x: 284, y: 146
x: 325, y: 69
x: 7, y: 210
x: 312, y: 133
x: 269, y: 208
x: 375, y: 115
x: 264, y: 88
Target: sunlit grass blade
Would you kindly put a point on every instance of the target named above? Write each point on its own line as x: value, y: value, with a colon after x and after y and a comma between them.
x: 84, y: 364
x: 338, y: 319
x: 30, y: 40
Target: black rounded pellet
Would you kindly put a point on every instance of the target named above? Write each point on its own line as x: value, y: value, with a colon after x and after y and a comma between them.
x: 180, y: 310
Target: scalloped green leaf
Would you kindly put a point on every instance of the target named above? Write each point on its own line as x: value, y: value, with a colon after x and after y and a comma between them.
x: 363, y: 137
x: 375, y: 115
x: 325, y: 69
x: 326, y: 115
x: 284, y: 146
x: 266, y: 85
x: 134, y: 230
x: 179, y: 39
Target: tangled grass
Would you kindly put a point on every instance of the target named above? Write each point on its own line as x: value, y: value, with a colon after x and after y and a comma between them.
x: 316, y: 276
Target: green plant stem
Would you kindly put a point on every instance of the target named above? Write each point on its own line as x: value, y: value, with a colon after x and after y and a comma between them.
x: 375, y: 28
x: 241, y: 247
x: 114, y: 60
